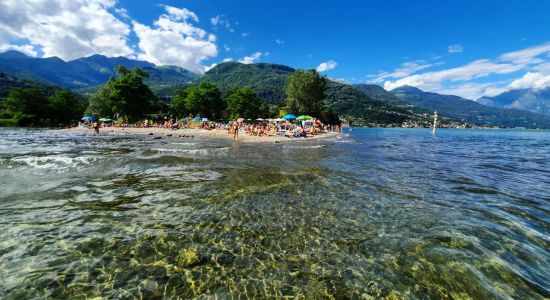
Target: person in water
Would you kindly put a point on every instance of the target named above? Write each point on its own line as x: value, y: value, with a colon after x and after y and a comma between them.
x: 96, y: 127
x: 235, y: 130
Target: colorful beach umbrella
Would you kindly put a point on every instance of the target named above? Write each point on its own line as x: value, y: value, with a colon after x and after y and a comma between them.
x: 289, y: 117
x: 88, y: 118
x: 197, y: 119
x: 303, y: 118
x: 105, y: 120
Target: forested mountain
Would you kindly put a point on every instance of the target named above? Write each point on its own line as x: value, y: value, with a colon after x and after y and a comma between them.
x: 377, y: 92
x: 8, y: 81
x: 88, y: 72
x: 471, y: 111
x: 533, y: 100
x: 268, y: 80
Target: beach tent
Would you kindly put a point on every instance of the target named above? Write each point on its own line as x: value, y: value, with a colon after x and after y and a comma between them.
x: 88, y: 118
x: 303, y: 118
x: 289, y: 117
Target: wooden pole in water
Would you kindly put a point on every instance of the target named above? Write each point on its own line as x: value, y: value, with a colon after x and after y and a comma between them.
x: 435, y: 122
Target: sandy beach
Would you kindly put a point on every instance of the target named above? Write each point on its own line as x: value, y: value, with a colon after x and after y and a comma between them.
x: 204, y: 134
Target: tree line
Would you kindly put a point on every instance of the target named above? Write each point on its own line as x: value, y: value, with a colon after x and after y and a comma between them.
x: 129, y: 96
x: 32, y: 106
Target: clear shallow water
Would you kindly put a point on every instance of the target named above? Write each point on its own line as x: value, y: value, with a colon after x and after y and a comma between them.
x: 377, y: 213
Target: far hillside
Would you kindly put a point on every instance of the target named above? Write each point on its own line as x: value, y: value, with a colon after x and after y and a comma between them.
x: 268, y: 81
x: 470, y: 111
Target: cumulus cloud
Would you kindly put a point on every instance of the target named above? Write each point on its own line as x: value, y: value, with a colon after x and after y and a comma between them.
x: 173, y: 40
x: 245, y: 34
x: 27, y: 49
x: 180, y: 14
x: 227, y: 59
x: 67, y: 29
x: 254, y: 57
x: 457, y: 48
x: 530, y: 80
x: 279, y: 41
x: 326, y: 66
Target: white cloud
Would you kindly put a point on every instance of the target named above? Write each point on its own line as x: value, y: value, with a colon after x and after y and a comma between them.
x: 530, y: 80
x: 207, y: 68
x: 325, y: 66
x: 221, y: 21
x: 245, y: 34
x: 457, y: 48
x: 180, y: 14
x: 526, y: 56
x: 459, y: 80
x: 226, y: 48
x: 406, y: 69
x: 122, y: 12
x: 251, y: 58
x: 27, y: 49
x: 174, y: 41
x: 279, y: 41
x: 67, y: 29
x: 227, y: 59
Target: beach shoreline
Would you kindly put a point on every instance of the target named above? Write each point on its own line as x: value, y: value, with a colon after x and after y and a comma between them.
x: 203, y: 134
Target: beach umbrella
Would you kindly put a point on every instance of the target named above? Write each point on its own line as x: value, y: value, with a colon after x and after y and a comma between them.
x: 105, y: 120
x: 88, y: 118
x: 197, y: 119
x: 303, y: 118
x: 289, y: 117
x: 259, y: 119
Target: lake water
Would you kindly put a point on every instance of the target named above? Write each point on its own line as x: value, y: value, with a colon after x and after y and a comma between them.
x: 375, y: 213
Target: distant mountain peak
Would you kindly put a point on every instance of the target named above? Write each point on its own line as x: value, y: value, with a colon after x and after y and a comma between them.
x: 407, y: 88
x: 11, y: 54
x: 535, y: 100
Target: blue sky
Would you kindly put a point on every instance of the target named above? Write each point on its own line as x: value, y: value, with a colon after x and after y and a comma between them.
x: 469, y: 48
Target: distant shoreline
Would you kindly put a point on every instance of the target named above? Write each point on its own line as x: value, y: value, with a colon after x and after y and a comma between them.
x: 202, y: 134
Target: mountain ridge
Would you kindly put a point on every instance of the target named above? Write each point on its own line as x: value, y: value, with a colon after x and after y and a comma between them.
x: 85, y: 72
x: 535, y: 100
x: 470, y: 111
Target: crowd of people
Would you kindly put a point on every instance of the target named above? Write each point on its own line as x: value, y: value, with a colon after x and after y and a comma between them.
x: 259, y: 128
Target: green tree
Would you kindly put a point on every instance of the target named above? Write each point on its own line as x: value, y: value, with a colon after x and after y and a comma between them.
x: 305, y: 92
x: 30, y: 102
x: 127, y: 95
x: 204, y: 99
x: 65, y: 106
x: 178, y: 103
x: 328, y: 116
x: 99, y: 103
x: 243, y: 102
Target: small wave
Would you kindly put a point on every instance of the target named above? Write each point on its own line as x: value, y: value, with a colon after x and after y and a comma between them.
x: 193, y: 151
x: 307, y: 147
x: 55, y: 162
x: 186, y: 144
